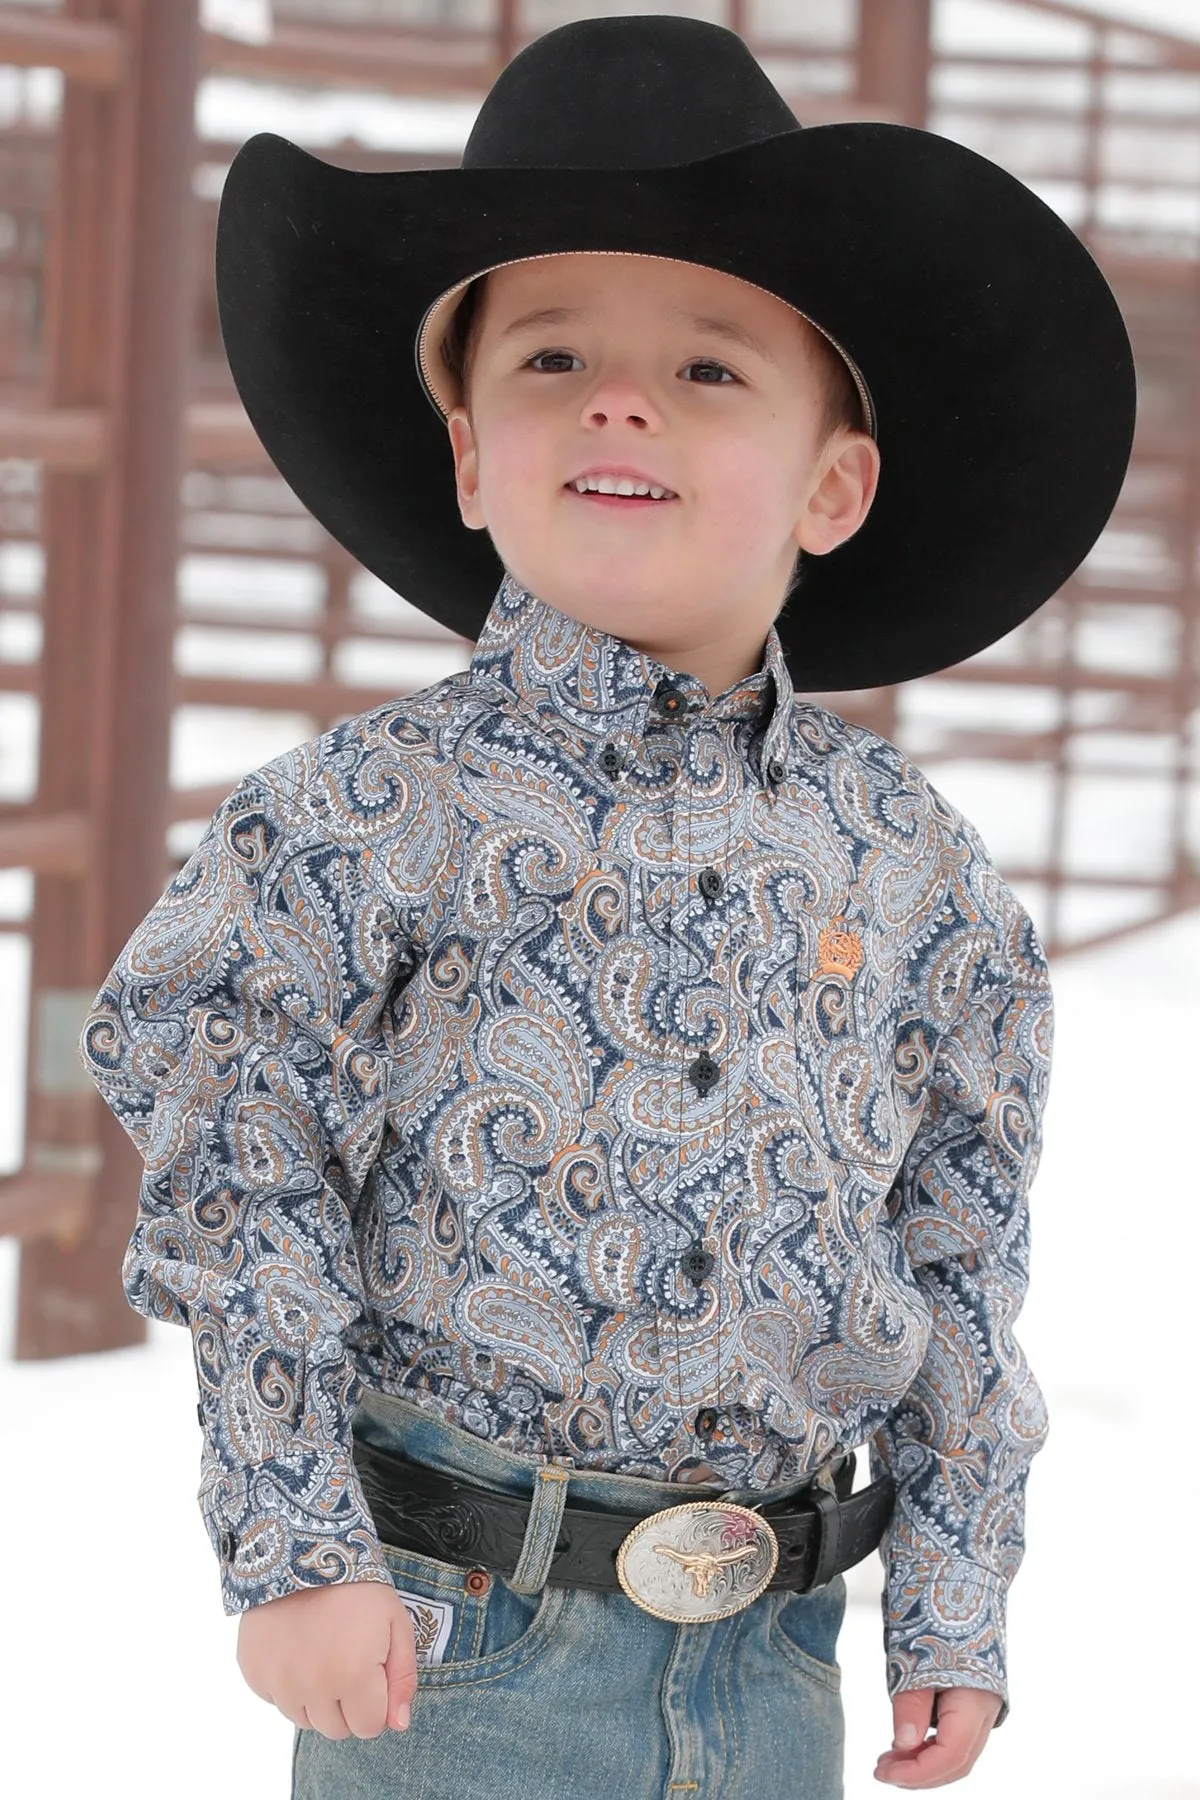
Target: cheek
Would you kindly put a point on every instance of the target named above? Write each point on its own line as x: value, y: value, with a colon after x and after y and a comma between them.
x: 517, y: 459
x: 740, y: 492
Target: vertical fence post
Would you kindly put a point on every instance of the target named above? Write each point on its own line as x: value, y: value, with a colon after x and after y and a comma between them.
x: 121, y: 288
x: 894, y: 56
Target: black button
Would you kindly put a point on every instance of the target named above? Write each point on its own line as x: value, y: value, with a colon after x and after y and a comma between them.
x: 670, y: 700
x: 229, y: 1545
x: 610, y: 759
x: 697, y: 1262
x: 710, y: 883
x: 707, y: 1421
x: 704, y: 1072
x: 776, y: 770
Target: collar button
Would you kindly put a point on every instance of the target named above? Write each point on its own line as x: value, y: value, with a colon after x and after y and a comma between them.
x: 670, y: 700
x: 776, y: 771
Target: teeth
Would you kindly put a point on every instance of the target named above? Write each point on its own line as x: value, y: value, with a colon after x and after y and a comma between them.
x: 617, y: 484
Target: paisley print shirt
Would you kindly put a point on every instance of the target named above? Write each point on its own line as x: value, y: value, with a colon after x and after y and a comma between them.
x: 628, y: 1076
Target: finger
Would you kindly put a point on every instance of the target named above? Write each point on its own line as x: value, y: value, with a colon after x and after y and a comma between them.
x: 930, y: 1766
x: 400, y: 1670
x: 297, y: 1714
x: 911, y: 1714
x: 328, y: 1718
x: 977, y: 1705
x: 946, y: 1757
x: 365, y: 1705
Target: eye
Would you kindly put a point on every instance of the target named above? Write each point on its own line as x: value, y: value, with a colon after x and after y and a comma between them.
x: 706, y: 363
x: 530, y: 360
x: 697, y: 363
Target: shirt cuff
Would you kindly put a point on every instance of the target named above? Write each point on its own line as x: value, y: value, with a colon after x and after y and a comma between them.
x: 944, y: 1626
x: 298, y: 1520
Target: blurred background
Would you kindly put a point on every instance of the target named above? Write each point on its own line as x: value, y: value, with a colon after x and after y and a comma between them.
x: 171, y: 617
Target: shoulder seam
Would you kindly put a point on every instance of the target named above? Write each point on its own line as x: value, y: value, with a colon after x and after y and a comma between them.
x: 297, y: 795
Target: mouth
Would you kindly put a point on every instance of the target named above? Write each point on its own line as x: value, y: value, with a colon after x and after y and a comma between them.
x: 628, y: 501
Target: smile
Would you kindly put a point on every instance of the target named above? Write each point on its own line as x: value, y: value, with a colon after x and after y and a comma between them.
x: 628, y: 501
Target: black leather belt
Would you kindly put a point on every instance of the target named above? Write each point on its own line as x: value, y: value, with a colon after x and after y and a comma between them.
x: 818, y: 1533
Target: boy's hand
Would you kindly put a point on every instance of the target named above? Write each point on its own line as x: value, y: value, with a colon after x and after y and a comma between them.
x: 340, y: 1659
x: 965, y: 1716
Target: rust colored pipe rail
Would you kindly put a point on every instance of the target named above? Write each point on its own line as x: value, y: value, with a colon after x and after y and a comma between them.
x: 50, y: 843
x: 93, y: 53
x: 217, y: 431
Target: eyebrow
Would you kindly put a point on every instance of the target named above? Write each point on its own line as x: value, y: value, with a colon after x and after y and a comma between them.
x: 728, y: 329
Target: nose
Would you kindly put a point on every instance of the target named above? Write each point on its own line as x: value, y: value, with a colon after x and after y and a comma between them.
x: 619, y: 397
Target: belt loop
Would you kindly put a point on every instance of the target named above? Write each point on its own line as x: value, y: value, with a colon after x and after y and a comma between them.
x: 541, y: 1532
x: 829, y: 1531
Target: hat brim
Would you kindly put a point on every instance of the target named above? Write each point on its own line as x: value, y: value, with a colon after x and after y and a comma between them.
x: 994, y: 349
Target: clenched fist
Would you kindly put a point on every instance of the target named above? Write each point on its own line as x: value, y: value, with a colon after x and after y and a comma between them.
x: 338, y: 1659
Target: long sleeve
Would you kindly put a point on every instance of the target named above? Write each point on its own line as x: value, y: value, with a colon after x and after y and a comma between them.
x: 960, y: 1442
x: 241, y: 1039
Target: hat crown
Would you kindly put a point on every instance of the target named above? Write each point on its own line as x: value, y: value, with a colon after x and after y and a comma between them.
x: 626, y: 93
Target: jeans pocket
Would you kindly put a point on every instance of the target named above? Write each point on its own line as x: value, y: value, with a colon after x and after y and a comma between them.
x: 468, y: 1623
x: 804, y: 1629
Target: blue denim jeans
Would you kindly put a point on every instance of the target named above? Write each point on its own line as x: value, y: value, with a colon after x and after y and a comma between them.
x: 567, y: 1693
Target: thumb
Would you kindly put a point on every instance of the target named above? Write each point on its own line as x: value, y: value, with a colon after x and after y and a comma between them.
x: 911, y: 1715
x: 400, y: 1668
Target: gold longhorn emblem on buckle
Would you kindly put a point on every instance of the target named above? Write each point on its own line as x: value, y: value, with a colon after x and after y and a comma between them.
x: 697, y: 1562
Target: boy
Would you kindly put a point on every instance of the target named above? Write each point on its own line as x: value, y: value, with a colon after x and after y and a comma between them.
x: 585, y: 1100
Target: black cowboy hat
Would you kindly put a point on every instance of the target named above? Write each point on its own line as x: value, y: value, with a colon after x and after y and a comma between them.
x: 991, y: 357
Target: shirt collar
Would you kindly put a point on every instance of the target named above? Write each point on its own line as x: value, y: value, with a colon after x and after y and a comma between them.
x: 593, y: 688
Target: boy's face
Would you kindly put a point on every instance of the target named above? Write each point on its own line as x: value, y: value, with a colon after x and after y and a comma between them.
x: 630, y: 381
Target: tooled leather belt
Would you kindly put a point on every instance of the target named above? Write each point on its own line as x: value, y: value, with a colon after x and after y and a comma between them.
x: 817, y: 1534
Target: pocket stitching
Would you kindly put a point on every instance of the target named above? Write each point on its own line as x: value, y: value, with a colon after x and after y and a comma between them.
x: 450, y: 1576
x: 531, y: 1642
x: 829, y: 1675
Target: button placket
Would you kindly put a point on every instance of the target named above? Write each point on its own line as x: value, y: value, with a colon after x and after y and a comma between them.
x: 704, y: 1072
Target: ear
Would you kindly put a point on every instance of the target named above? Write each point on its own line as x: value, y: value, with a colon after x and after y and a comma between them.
x: 466, y: 468
x: 842, y: 497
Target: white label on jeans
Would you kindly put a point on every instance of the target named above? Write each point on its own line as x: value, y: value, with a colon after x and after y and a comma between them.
x: 432, y: 1623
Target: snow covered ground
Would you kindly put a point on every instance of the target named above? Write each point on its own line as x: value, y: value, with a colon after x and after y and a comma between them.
x: 112, y: 1614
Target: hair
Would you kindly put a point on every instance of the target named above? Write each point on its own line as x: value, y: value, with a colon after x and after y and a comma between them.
x: 842, y: 410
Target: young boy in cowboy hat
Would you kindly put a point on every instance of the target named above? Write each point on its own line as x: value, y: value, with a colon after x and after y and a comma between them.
x: 603, y: 1077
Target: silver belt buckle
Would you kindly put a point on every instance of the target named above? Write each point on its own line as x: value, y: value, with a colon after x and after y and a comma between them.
x: 698, y: 1562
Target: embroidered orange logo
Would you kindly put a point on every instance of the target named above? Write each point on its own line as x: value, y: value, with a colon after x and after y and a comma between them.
x: 840, y: 949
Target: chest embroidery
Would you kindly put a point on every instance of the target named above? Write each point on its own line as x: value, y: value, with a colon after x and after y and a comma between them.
x: 839, y: 949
